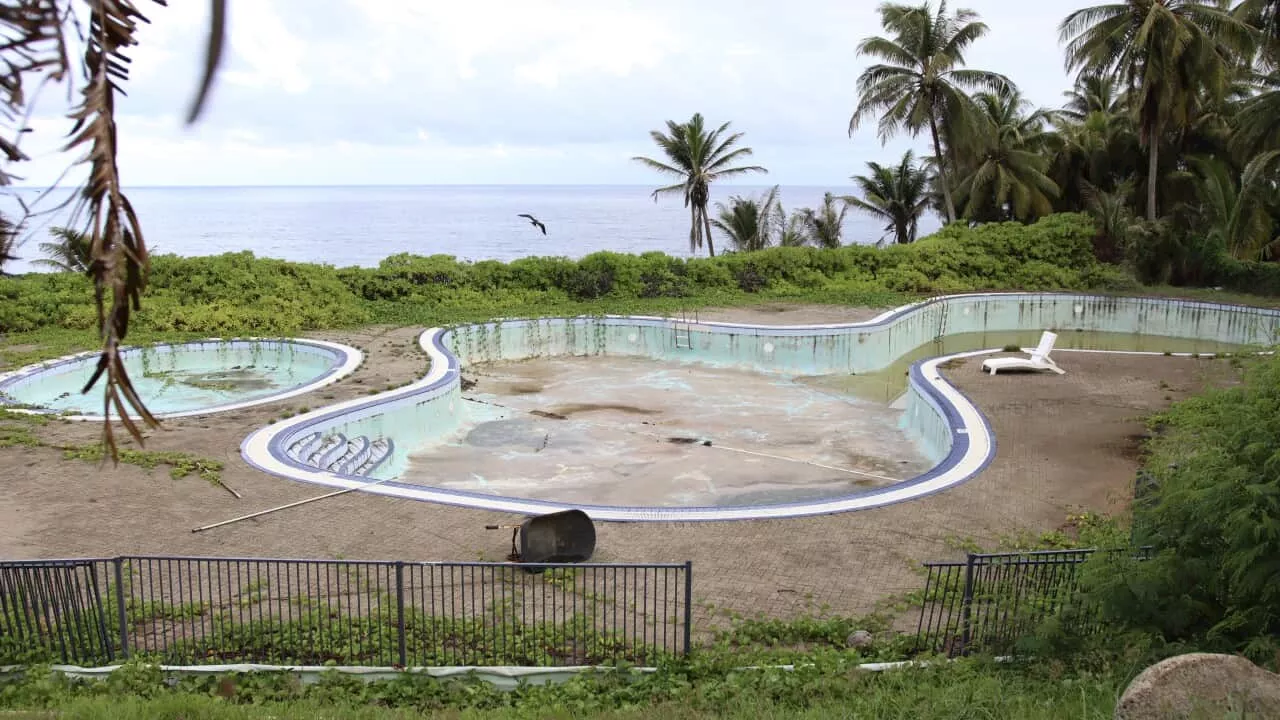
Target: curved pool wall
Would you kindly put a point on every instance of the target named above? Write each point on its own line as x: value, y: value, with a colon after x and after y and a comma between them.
x: 331, y: 361
x: 945, y: 424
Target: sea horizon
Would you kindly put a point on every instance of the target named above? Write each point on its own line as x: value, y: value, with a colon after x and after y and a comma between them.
x: 360, y: 225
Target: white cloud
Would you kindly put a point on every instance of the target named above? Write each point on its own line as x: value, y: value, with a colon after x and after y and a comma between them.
x: 274, y: 56
x: 430, y: 91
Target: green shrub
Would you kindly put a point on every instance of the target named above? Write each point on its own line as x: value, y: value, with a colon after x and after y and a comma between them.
x: 238, y: 293
x: 1210, y: 512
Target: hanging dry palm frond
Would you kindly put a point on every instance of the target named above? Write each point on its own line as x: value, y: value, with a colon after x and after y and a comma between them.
x: 33, y: 42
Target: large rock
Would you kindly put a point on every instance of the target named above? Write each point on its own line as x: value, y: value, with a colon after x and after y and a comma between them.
x: 1201, y: 685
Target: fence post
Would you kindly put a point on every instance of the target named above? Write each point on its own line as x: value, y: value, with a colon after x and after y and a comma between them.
x: 688, y: 605
x: 403, y: 650
x: 966, y: 605
x: 122, y: 616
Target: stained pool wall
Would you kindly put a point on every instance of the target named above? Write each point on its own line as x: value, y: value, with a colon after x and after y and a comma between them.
x: 434, y: 408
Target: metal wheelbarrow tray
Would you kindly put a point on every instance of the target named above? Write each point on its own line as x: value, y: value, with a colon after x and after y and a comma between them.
x: 568, y: 536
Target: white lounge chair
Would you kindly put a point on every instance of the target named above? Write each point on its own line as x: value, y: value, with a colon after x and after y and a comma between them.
x: 1039, y: 359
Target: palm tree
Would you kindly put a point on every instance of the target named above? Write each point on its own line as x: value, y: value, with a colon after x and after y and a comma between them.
x: 1006, y: 179
x: 748, y: 222
x: 1236, y: 213
x: 825, y: 225
x: 1256, y: 129
x: 1264, y: 15
x: 1166, y: 51
x: 793, y: 229
x: 697, y: 158
x: 1091, y: 94
x: 72, y: 252
x: 1111, y: 216
x: 8, y: 241
x: 921, y: 81
x: 897, y: 195
x: 1100, y: 151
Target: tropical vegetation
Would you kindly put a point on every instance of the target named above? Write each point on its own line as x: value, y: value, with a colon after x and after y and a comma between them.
x: 695, y: 156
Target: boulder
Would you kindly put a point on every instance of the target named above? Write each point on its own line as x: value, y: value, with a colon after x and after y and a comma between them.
x: 859, y: 639
x: 1201, y: 685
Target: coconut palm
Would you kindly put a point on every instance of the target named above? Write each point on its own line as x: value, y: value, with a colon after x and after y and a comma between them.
x: 1006, y: 176
x: 1255, y: 126
x: 697, y: 157
x: 1167, y: 51
x: 793, y: 229
x: 824, y: 226
x: 8, y: 241
x: 1236, y: 211
x: 1264, y: 15
x: 1092, y: 94
x: 898, y: 195
x: 71, y: 252
x: 921, y: 82
x: 748, y: 222
x: 1112, y: 216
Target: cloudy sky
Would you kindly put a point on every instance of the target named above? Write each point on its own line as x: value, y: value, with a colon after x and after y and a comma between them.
x: 336, y: 92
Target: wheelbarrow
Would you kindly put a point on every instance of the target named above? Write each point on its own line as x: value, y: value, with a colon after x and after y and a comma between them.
x: 568, y: 536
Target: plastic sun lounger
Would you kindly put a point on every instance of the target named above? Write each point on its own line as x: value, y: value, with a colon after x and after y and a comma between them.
x: 1039, y: 359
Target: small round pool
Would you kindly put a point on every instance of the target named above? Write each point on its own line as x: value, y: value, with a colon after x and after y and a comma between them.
x: 187, y: 379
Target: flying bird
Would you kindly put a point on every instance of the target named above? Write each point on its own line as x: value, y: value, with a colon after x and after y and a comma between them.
x: 534, y: 221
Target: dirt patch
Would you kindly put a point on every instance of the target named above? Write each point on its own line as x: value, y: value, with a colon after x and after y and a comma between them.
x: 1064, y: 443
x: 579, y: 408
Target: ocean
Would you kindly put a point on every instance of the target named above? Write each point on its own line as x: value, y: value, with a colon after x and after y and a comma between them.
x: 346, y: 226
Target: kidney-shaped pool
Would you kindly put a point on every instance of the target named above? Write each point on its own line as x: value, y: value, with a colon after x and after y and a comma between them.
x: 189, y: 378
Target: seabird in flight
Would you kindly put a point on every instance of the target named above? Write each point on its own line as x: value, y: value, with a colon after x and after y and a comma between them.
x: 534, y: 221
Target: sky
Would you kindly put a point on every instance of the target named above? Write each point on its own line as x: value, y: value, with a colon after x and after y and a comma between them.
x: 425, y: 92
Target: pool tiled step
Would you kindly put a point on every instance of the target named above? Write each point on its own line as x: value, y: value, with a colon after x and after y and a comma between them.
x: 336, y: 453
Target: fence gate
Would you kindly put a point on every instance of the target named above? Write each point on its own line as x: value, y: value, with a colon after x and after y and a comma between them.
x: 989, y: 601
x: 54, y: 609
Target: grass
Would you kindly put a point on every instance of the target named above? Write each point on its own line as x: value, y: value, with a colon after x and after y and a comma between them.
x: 22, y: 429
x: 969, y: 689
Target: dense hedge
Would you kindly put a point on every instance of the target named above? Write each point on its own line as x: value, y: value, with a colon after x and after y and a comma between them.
x: 238, y: 293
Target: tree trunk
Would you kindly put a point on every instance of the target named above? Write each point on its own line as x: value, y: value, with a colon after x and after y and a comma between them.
x: 942, y: 170
x: 694, y: 245
x: 1153, y: 163
x: 706, y: 222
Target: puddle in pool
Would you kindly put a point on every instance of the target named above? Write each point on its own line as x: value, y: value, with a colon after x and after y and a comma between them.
x: 629, y: 431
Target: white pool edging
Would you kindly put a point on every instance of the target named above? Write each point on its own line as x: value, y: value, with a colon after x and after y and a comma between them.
x: 351, y: 358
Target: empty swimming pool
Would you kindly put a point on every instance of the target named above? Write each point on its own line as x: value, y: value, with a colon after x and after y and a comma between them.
x: 193, y: 378
x: 893, y: 360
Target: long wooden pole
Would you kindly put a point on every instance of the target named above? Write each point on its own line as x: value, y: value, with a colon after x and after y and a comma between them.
x: 268, y: 511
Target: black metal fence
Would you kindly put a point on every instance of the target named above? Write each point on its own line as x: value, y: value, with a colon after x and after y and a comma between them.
x: 989, y: 601
x: 184, y: 610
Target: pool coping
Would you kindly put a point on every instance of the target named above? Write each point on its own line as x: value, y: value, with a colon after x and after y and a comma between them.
x: 347, y: 360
